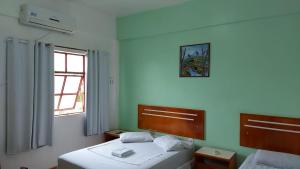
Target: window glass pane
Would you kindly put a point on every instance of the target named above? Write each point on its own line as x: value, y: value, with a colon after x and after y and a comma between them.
x: 59, y: 80
x: 59, y: 62
x: 72, y: 84
x: 75, y: 63
x: 79, y: 106
x: 67, y: 101
x: 81, y: 94
x: 80, y: 99
x: 71, y: 72
x: 56, y: 99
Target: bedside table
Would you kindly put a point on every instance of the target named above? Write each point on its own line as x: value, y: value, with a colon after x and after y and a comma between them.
x: 212, y: 158
x: 112, y: 134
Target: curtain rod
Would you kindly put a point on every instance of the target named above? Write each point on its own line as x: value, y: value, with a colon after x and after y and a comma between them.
x: 20, y: 40
x: 84, y: 50
x: 24, y: 40
x: 59, y: 46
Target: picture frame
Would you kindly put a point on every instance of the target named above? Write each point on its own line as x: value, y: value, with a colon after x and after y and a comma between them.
x: 195, y: 60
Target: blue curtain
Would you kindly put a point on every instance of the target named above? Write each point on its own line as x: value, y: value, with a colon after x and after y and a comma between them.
x: 97, y: 100
x: 30, y: 95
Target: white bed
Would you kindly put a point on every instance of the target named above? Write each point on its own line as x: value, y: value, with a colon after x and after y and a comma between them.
x: 250, y: 164
x: 147, y: 156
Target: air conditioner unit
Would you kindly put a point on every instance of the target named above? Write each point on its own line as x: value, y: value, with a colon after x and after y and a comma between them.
x: 44, y: 18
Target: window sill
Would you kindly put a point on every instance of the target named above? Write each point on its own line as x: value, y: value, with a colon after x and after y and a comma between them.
x: 69, y: 114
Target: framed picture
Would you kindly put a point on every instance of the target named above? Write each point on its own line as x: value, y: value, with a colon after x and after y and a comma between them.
x: 195, y: 60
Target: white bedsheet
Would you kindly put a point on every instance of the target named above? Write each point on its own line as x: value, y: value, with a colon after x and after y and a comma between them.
x: 139, y: 157
x: 250, y: 164
x: 153, y: 157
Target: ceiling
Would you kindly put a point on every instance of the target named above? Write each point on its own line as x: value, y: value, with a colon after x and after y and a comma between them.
x: 127, y: 7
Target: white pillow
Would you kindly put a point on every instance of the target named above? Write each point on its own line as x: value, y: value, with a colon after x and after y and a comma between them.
x: 134, y: 137
x: 187, y: 143
x: 168, y: 143
x: 277, y: 160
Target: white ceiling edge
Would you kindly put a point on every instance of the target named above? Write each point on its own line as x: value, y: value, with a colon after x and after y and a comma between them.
x: 120, y: 8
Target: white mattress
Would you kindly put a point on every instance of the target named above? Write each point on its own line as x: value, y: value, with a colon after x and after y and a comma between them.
x: 153, y: 158
x: 250, y: 164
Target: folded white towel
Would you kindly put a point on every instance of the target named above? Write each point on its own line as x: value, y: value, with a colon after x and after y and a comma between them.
x: 122, y: 152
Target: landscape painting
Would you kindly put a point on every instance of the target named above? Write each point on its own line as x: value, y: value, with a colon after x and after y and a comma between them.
x: 195, y: 60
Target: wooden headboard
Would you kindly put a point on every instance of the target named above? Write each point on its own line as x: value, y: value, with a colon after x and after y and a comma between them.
x: 176, y: 121
x: 270, y: 133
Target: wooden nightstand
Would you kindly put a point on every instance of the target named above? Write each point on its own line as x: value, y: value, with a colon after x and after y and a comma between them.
x: 112, y: 134
x: 212, y: 158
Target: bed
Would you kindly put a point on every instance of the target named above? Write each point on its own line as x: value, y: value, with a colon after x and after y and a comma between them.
x: 272, y: 134
x: 148, y: 156
x: 249, y: 163
x: 177, y: 121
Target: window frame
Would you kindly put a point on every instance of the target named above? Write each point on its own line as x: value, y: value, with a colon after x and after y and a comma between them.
x: 65, y: 74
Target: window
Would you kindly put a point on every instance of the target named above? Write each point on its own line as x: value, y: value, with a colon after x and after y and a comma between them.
x: 70, y: 83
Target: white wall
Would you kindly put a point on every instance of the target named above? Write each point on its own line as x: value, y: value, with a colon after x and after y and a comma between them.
x: 95, y: 30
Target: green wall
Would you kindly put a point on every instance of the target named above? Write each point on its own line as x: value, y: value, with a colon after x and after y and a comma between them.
x: 255, y: 63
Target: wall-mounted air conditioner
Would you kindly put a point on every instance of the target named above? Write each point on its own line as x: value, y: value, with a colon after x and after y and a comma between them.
x: 44, y: 18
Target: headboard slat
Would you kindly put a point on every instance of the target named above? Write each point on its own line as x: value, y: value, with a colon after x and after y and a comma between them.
x: 171, y: 120
x: 172, y: 117
x: 270, y: 133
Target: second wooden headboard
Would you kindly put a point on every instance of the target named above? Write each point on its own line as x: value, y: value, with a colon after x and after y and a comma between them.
x: 171, y: 120
x: 270, y: 133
